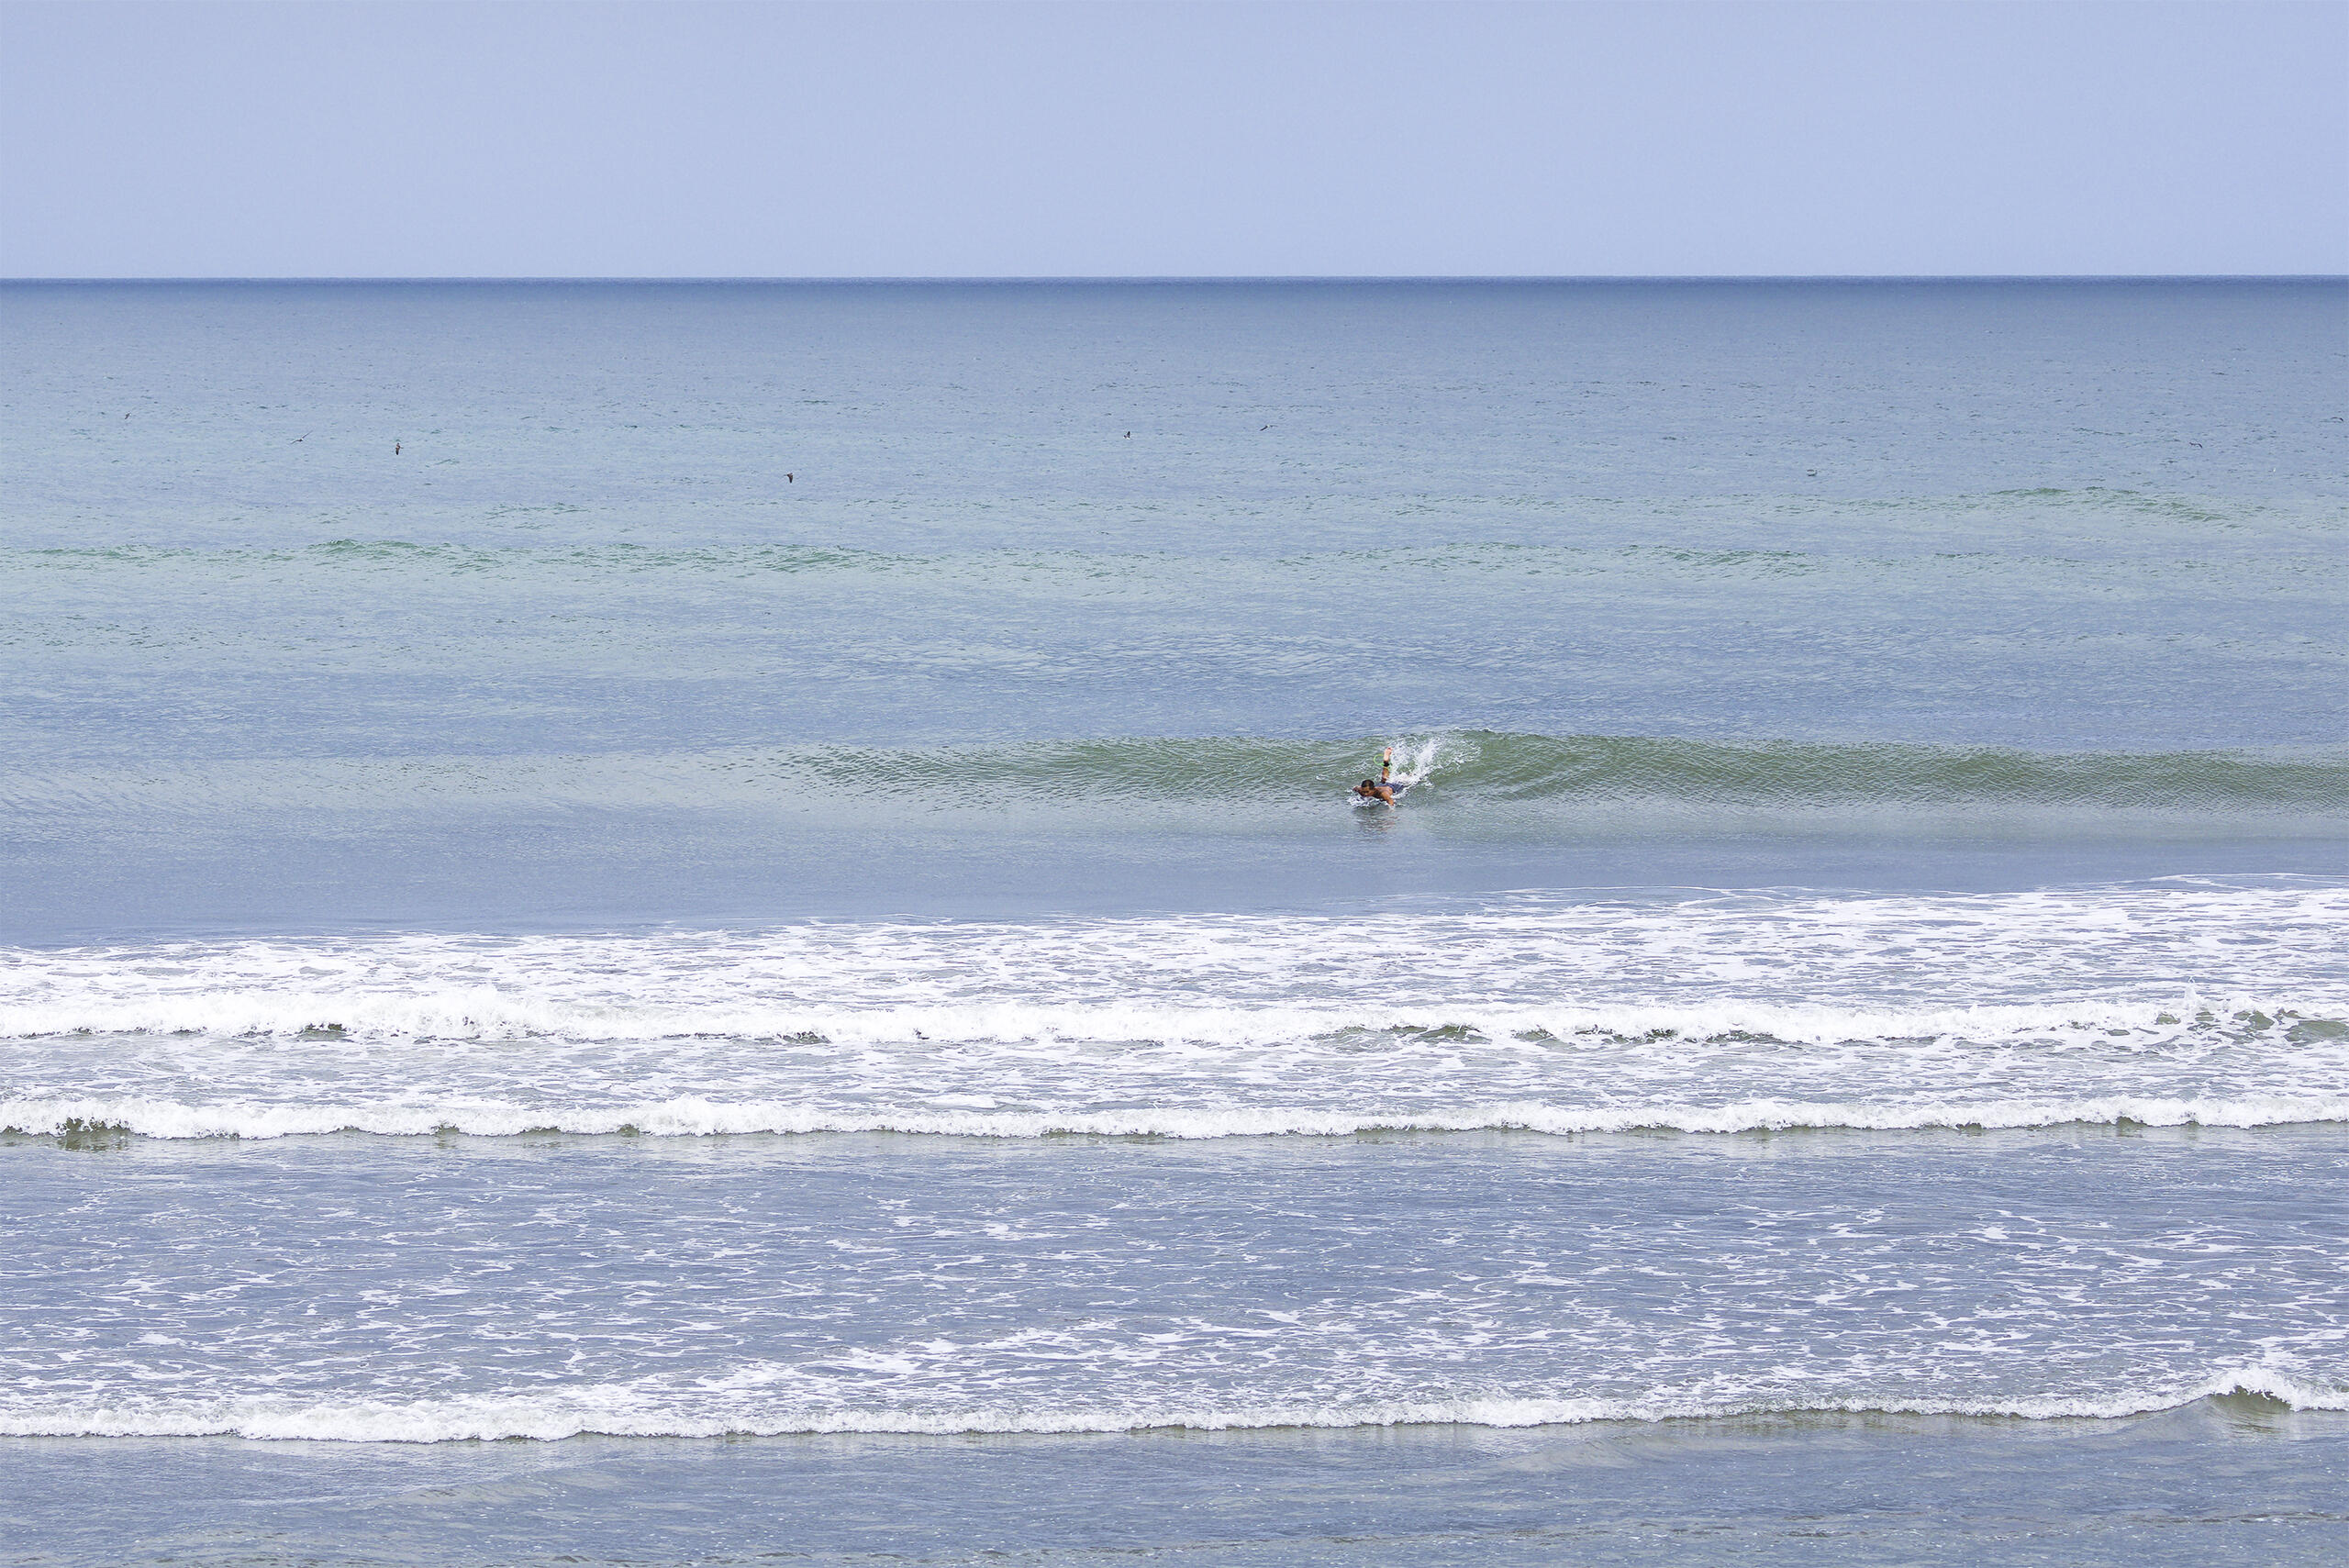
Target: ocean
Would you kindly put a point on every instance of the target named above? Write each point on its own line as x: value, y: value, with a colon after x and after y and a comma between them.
x: 669, y: 923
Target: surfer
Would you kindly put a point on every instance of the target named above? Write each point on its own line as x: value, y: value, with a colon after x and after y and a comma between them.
x: 1379, y: 791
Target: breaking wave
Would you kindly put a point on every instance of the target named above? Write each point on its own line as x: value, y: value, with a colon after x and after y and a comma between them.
x: 1459, y: 771
x: 484, y: 1014
x: 694, y: 1115
x: 626, y: 1410
x: 2190, y: 1004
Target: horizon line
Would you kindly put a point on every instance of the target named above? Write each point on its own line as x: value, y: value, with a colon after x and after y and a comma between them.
x: 1191, y: 278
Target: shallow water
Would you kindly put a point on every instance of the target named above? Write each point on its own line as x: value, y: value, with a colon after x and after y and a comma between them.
x: 426, y: 1289
x: 2230, y: 1482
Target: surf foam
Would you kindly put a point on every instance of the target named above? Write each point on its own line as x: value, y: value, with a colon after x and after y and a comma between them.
x: 625, y: 1411
x: 694, y: 1116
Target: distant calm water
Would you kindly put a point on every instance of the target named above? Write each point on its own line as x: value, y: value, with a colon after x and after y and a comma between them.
x: 638, y: 864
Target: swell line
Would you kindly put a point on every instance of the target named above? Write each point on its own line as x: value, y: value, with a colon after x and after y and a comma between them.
x: 1456, y: 771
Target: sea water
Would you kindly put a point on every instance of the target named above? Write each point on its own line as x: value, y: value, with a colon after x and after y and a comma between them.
x: 691, y: 922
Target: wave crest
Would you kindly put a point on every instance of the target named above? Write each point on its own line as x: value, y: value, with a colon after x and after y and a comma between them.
x: 694, y: 1116
x: 1459, y: 769
x: 621, y: 1410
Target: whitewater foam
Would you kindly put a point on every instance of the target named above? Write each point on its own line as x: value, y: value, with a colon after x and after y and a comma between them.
x: 2208, y: 1005
x: 628, y: 1411
x: 1794, y: 966
x: 695, y: 1116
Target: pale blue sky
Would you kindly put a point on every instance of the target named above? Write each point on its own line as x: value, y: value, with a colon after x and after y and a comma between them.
x: 974, y: 139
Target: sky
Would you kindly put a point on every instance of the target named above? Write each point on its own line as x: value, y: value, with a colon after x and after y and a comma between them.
x: 1103, y: 139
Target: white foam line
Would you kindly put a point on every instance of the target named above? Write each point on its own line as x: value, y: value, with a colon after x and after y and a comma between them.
x: 478, y: 1017
x: 622, y: 1411
x: 695, y: 1116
